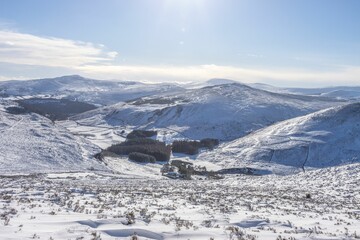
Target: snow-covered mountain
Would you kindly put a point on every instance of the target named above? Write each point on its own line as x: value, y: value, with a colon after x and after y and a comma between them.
x: 84, y: 89
x: 209, y: 83
x: 326, y: 138
x: 338, y: 92
x: 224, y: 111
x: 345, y: 92
x: 31, y: 143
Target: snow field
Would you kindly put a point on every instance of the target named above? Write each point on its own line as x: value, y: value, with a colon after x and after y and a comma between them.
x: 92, y: 206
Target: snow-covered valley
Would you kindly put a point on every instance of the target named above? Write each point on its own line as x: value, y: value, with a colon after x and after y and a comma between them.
x: 224, y: 112
x: 59, y: 181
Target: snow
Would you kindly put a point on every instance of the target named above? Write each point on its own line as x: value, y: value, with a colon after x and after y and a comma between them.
x: 89, y: 206
x: 52, y: 187
x: 339, y: 92
x: 100, y: 92
x: 31, y: 143
x: 336, y: 92
x: 224, y: 112
x: 100, y: 135
x: 323, y: 139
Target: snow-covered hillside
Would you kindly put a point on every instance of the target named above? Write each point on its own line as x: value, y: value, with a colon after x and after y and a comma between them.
x: 340, y: 92
x: 84, y: 89
x: 31, y: 143
x: 225, y: 111
x: 337, y: 92
x: 326, y: 138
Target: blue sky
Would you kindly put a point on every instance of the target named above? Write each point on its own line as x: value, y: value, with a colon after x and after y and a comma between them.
x: 281, y: 42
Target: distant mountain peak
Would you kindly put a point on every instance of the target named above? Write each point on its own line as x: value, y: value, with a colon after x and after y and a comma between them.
x: 220, y: 81
x: 73, y: 76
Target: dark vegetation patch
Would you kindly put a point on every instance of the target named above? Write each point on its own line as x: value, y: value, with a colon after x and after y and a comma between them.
x: 141, y: 157
x: 16, y: 110
x: 192, y: 147
x: 245, y: 171
x: 187, y: 147
x: 209, y: 143
x: 104, y: 153
x: 55, y: 109
x: 178, y: 169
x: 4, y: 95
x: 142, y: 101
x: 141, y: 134
x: 159, y: 150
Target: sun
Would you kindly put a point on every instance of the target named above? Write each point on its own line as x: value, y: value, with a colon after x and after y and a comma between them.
x: 181, y: 4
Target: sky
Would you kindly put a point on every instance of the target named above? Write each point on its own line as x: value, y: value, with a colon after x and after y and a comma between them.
x: 304, y: 43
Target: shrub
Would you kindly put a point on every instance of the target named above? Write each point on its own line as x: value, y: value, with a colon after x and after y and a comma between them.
x: 141, y: 157
x: 141, y: 134
x: 187, y: 147
x: 155, y: 148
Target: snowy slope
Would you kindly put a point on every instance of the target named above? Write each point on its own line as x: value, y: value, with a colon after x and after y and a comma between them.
x: 225, y: 111
x: 209, y: 83
x: 31, y: 143
x: 84, y: 89
x: 326, y: 138
x: 340, y: 92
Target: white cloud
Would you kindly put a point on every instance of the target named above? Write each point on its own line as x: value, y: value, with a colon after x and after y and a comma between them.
x: 20, y: 48
x: 41, y: 54
x: 6, y: 78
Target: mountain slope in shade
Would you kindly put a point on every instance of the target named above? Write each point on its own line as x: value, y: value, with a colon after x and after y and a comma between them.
x: 225, y: 111
x: 31, y: 143
x: 326, y: 138
x: 84, y: 89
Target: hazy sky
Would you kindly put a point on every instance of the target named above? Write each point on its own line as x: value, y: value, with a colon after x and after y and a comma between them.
x: 281, y: 42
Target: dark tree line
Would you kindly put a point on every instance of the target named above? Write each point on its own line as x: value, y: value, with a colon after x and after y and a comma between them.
x: 159, y: 150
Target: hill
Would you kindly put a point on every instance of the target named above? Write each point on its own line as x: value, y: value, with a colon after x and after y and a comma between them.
x: 31, y: 143
x: 224, y: 111
x: 82, y: 89
x: 326, y: 138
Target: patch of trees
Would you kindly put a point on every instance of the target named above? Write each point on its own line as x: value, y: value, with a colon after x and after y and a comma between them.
x: 192, y: 147
x: 187, y: 147
x: 159, y: 150
x: 209, y: 143
x: 141, y: 134
x: 141, y: 157
x: 16, y: 110
x: 55, y: 109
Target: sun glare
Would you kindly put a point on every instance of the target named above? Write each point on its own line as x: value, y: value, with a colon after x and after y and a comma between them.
x: 181, y: 4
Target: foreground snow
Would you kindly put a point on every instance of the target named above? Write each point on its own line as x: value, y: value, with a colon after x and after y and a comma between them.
x: 109, y: 207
